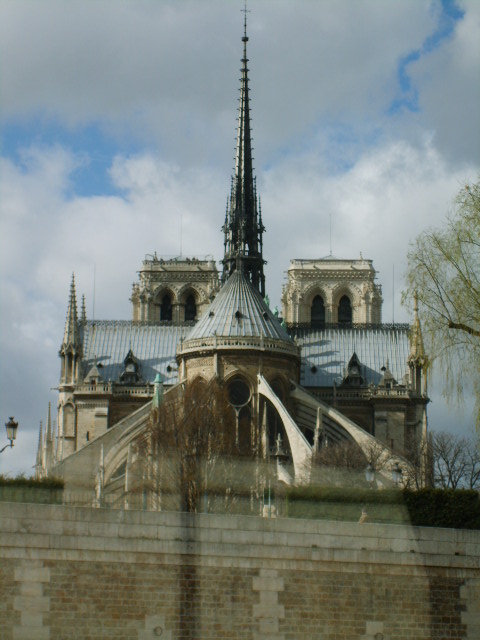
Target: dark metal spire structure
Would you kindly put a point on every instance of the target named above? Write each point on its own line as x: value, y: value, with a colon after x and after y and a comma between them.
x: 243, y: 226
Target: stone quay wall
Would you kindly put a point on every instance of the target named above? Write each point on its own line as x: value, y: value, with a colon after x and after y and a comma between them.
x: 73, y: 572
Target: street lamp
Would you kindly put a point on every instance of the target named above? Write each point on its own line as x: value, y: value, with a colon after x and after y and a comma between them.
x: 397, y: 474
x: 370, y: 474
x: 11, y: 426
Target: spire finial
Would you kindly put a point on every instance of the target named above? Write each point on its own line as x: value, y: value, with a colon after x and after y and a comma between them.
x: 245, y: 11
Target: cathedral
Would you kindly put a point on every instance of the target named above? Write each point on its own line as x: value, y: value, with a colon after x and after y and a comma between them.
x: 321, y: 372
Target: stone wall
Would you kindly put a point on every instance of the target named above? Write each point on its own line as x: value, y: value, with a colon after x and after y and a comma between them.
x: 70, y: 572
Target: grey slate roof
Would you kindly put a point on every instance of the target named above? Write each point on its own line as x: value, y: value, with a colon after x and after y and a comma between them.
x: 109, y: 341
x: 238, y: 310
x: 329, y: 350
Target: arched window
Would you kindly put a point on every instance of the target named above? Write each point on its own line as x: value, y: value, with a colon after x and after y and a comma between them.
x: 190, y: 308
x: 344, y: 310
x: 239, y: 396
x: 318, y: 312
x: 244, y: 430
x: 238, y: 393
x: 166, y: 308
x: 68, y: 420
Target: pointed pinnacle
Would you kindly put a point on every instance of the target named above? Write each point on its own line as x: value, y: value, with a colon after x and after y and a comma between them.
x: 70, y: 336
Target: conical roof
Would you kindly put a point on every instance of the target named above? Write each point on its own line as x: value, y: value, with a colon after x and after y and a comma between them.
x: 239, y: 311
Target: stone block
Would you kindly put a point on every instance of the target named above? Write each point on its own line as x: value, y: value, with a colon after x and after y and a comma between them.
x: 31, y: 589
x: 373, y: 627
x: 268, y: 583
x: 32, y: 574
x: 31, y: 633
x: 267, y: 611
x: 30, y: 619
x: 33, y: 605
x: 268, y: 625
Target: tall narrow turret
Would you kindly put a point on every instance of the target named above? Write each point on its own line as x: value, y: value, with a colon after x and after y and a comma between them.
x: 71, y: 349
x: 243, y: 226
x: 39, y: 468
x: 417, y: 360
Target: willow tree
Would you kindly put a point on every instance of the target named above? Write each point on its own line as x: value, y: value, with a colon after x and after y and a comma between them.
x: 444, y: 274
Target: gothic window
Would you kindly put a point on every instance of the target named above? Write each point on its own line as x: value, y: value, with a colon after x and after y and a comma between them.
x: 166, y: 308
x: 243, y: 430
x: 68, y: 420
x: 318, y: 312
x: 239, y: 397
x: 238, y: 393
x: 344, y: 310
x: 190, y: 308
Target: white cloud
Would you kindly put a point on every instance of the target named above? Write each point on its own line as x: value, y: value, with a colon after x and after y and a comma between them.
x: 450, y: 90
x: 166, y: 72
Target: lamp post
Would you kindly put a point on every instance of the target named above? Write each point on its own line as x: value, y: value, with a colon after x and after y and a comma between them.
x: 370, y: 475
x: 397, y: 474
x: 11, y: 426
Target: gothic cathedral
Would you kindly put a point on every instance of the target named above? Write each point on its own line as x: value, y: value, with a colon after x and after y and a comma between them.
x: 324, y: 371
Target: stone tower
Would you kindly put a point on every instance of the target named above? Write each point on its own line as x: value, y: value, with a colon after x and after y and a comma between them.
x: 176, y: 290
x: 330, y: 291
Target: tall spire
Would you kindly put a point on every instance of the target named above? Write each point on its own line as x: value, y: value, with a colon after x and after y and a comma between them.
x: 243, y: 226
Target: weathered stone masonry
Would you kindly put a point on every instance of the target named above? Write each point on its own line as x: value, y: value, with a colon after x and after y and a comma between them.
x: 69, y: 572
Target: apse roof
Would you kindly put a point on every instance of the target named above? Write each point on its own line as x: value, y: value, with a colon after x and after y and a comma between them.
x: 238, y: 310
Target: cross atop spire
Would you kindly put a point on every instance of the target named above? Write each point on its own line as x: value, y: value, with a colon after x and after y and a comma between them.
x: 243, y: 226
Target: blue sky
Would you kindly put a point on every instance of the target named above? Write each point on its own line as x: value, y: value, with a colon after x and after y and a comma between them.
x: 118, y: 120
x: 447, y: 14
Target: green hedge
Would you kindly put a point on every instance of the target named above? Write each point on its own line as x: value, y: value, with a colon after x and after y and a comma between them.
x: 21, y: 489
x: 458, y: 509
x: 22, y: 481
